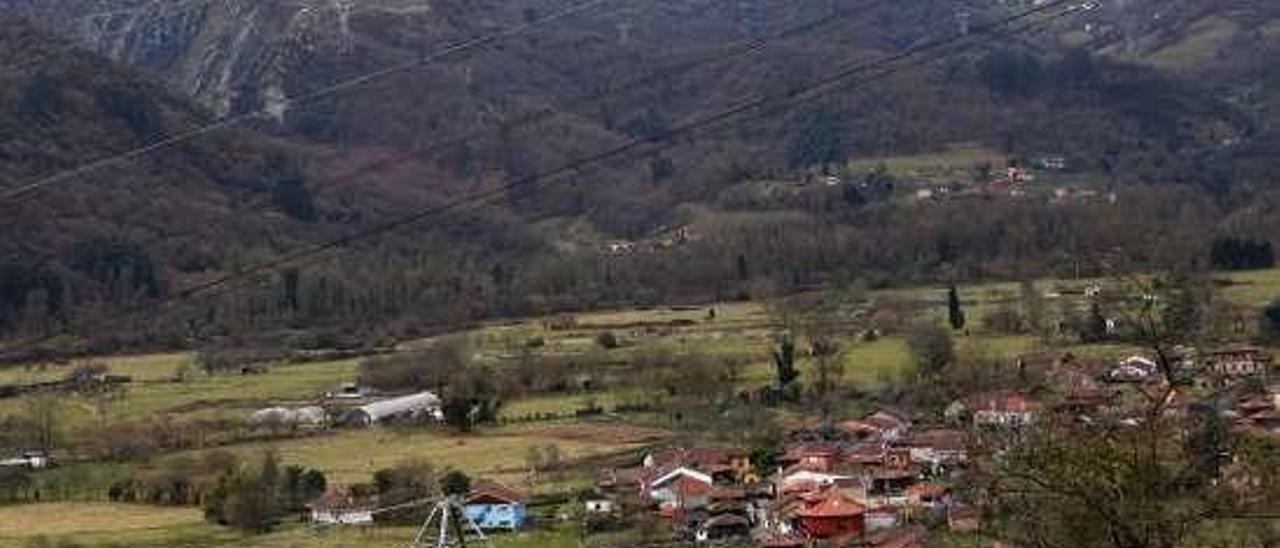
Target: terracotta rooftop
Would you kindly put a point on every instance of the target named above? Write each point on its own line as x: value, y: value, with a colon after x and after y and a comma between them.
x: 491, y: 493
x: 832, y: 505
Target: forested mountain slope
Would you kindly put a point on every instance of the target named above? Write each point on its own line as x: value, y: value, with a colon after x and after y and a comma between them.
x: 310, y: 170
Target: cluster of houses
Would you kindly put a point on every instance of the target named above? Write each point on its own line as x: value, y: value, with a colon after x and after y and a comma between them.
x: 1087, y: 391
x: 864, y: 482
x: 875, y: 480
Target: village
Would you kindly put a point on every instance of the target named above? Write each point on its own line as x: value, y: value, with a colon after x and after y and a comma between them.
x: 885, y: 479
x: 625, y: 466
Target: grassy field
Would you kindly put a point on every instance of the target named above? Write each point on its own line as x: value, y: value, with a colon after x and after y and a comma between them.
x: 353, y: 456
x: 954, y: 163
x: 149, y: 367
x: 1203, y: 41
x: 1252, y: 288
x: 192, y: 532
x: 76, y: 518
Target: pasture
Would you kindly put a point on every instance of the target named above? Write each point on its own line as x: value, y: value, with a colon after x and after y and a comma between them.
x: 352, y: 456
x: 57, y: 519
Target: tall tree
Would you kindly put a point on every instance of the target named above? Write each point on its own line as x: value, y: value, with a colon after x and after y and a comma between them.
x: 784, y: 362
x: 829, y: 372
x: 955, y: 311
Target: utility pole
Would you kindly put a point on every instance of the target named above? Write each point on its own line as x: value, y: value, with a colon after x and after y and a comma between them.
x: 346, y: 44
x: 448, y: 517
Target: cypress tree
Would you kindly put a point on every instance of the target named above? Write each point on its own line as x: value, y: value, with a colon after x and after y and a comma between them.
x: 955, y: 312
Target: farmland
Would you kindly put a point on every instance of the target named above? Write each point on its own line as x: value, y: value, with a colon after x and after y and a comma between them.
x: 169, y: 385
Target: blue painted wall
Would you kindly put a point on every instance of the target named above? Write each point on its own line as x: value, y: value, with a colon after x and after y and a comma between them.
x: 497, y: 516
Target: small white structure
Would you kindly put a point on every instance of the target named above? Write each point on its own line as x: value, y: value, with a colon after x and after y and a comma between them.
x: 35, y: 460
x: 1133, y: 369
x: 348, y: 391
x: 422, y: 404
x: 600, y: 506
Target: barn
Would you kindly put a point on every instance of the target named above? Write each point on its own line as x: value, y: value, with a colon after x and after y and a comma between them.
x: 414, y: 406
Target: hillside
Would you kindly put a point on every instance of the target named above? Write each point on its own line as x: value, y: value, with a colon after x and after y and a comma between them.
x: 344, y: 163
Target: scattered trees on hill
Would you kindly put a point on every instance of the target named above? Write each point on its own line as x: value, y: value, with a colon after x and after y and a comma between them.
x: 818, y: 140
x: 429, y: 368
x: 255, y: 498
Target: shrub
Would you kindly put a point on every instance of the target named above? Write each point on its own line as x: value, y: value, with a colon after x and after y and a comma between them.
x: 607, y: 340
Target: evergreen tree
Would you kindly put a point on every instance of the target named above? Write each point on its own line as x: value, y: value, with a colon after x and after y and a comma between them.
x: 955, y: 312
x: 784, y: 362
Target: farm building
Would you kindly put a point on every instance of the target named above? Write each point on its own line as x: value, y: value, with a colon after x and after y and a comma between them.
x: 494, y: 506
x: 340, y: 507
x: 413, y: 406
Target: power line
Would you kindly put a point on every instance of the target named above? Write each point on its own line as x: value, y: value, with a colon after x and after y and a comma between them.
x: 805, y: 92
x: 344, y: 85
x: 531, y: 118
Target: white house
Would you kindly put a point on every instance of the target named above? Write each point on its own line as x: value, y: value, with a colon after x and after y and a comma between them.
x: 339, y: 507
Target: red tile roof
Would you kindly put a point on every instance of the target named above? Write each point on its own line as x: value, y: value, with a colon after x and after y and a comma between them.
x: 832, y: 505
x: 690, y: 487
x: 491, y: 493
